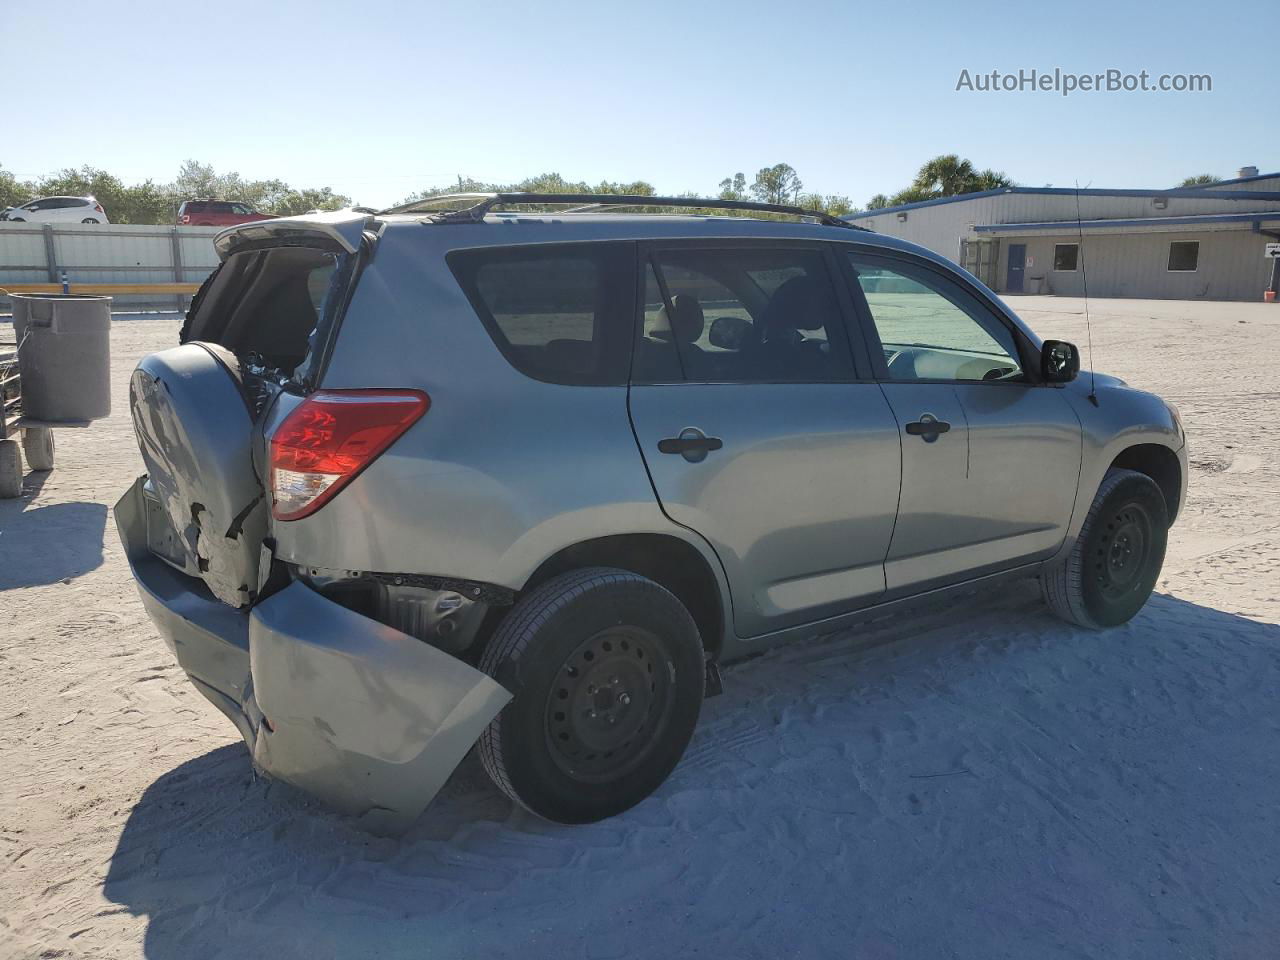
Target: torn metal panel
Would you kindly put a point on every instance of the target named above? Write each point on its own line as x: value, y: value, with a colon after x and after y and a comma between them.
x: 209, y: 639
x: 195, y: 434
x: 366, y: 717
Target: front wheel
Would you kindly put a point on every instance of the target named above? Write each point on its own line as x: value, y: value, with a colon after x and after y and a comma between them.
x: 606, y: 671
x: 1115, y: 562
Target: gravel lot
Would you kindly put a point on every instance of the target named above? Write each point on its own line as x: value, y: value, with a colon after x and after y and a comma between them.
x: 982, y: 783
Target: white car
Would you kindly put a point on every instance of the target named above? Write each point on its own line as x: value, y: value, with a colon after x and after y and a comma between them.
x: 58, y: 210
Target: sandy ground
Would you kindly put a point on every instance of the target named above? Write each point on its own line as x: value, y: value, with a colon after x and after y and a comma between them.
x: 985, y: 783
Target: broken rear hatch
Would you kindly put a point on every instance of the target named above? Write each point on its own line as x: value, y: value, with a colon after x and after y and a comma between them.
x: 366, y: 717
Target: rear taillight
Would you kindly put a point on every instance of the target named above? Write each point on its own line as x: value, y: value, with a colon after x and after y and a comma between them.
x: 98, y: 207
x: 185, y: 218
x: 329, y: 438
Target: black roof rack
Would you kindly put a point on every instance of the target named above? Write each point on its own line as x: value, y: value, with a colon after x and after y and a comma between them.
x: 483, y: 203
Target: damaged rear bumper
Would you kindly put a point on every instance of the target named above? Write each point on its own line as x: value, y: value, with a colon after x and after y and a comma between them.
x: 368, y: 719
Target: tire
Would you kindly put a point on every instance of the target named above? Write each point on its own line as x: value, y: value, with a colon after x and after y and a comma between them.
x: 17, y: 219
x: 1115, y: 562
x: 37, y: 445
x: 10, y: 469
x: 588, y: 641
x: 89, y: 220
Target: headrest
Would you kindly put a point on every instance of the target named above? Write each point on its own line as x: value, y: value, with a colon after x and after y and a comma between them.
x: 688, y: 320
x: 799, y: 304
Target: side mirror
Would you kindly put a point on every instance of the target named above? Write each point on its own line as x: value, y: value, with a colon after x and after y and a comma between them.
x: 730, y: 333
x: 1059, y: 361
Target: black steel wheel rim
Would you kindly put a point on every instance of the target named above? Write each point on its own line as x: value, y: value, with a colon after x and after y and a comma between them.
x: 1123, y: 551
x: 609, y: 704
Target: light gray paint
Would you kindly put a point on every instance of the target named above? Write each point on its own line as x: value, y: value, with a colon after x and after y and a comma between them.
x: 504, y: 471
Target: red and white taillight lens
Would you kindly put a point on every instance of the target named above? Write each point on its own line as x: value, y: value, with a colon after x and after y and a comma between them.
x: 329, y: 438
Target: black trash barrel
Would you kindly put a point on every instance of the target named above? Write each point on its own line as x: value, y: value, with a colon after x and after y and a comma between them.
x: 64, y: 355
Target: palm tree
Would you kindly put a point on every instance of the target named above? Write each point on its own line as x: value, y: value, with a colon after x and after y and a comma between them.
x: 988, y: 180
x: 944, y: 176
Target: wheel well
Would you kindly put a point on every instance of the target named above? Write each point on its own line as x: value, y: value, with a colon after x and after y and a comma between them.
x: 1161, y: 465
x: 669, y: 561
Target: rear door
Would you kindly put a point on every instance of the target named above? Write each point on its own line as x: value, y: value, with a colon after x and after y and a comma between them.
x: 990, y: 456
x: 758, y: 431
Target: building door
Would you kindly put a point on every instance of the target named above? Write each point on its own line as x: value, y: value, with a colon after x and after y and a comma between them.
x: 1017, y: 267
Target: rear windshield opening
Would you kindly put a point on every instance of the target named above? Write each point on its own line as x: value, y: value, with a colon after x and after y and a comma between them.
x: 270, y: 305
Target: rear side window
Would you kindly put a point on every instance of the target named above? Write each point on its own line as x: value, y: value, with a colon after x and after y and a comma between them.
x: 558, y: 313
x: 745, y: 315
x: 194, y: 206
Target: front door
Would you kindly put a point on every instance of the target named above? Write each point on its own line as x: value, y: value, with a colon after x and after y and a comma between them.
x: 990, y: 458
x: 1017, y: 267
x: 755, y: 433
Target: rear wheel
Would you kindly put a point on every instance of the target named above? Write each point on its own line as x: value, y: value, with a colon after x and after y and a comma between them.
x: 606, y: 671
x: 37, y: 444
x: 88, y: 220
x: 1113, y: 567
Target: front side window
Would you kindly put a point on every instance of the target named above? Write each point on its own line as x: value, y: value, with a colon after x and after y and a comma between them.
x: 1066, y: 257
x: 1184, y: 256
x: 558, y: 313
x: 929, y: 329
x: 741, y: 315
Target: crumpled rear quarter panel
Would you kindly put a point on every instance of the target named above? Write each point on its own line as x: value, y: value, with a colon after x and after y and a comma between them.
x: 368, y: 718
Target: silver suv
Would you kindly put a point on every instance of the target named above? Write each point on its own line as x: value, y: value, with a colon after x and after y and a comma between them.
x: 449, y: 473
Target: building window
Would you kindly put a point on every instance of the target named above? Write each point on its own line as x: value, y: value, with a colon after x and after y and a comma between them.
x: 1184, y: 256
x: 1066, y: 257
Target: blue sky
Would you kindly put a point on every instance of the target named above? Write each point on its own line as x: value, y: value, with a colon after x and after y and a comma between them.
x: 378, y: 99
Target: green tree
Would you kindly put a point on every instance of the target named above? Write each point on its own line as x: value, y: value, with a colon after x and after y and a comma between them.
x: 988, y: 180
x: 912, y: 194
x: 1199, y: 179
x: 878, y: 202
x: 831, y: 203
x: 14, y: 192
x: 944, y: 176
x: 733, y: 188
x: 274, y: 196
x: 777, y: 184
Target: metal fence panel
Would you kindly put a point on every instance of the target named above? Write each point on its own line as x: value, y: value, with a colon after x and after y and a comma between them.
x: 115, y: 253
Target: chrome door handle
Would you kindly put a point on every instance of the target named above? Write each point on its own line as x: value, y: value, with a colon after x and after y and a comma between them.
x: 928, y: 428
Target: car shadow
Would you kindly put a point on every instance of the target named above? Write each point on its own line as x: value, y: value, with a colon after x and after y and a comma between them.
x: 45, y: 544
x: 937, y: 785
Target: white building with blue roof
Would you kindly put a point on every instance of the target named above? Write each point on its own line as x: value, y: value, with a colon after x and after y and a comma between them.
x: 1207, y: 242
